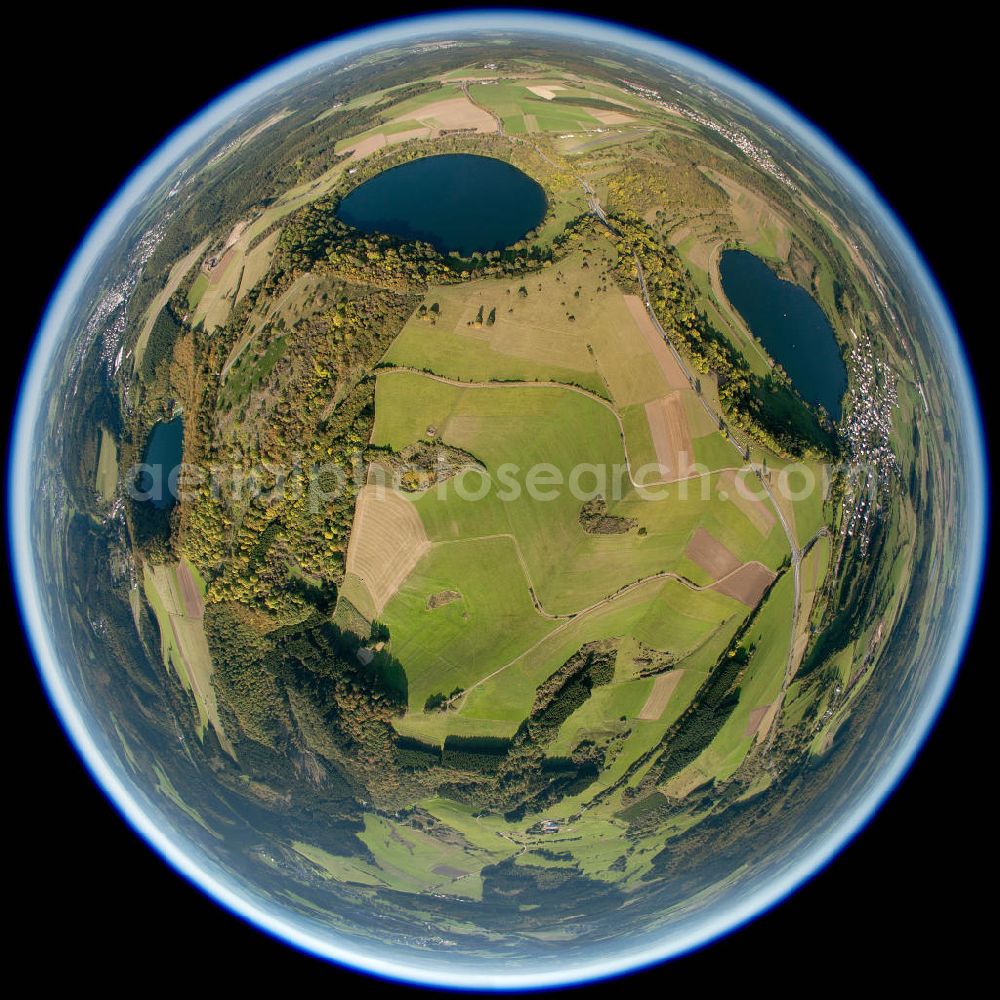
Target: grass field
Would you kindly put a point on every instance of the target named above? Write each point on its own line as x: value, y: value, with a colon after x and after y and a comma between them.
x: 387, y: 542
x: 529, y: 427
x: 800, y: 488
x: 496, y: 552
x: 532, y: 337
x: 421, y: 117
x: 294, y: 198
x: 533, y: 584
x: 664, y: 615
x: 568, y: 323
x: 175, y: 593
x: 417, y: 860
x: 107, y: 465
x: 176, y: 276
x: 198, y: 288
x: 514, y: 103
x: 606, y: 712
x: 339, y: 868
x: 759, y: 687
x: 523, y: 343
x: 479, y: 832
x: 454, y: 645
x: 257, y: 262
x: 604, y: 348
x: 213, y: 295
x: 812, y: 573
x: 412, y: 860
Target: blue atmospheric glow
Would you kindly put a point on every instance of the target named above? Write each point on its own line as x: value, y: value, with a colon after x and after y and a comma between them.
x: 200, y: 869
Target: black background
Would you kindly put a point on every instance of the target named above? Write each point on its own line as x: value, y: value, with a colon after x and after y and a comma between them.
x: 907, y: 102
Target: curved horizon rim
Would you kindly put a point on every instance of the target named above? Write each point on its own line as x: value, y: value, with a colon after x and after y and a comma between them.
x: 97, y: 240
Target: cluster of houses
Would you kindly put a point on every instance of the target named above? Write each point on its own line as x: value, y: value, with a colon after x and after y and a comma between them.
x: 867, y: 427
x: 730, y: 132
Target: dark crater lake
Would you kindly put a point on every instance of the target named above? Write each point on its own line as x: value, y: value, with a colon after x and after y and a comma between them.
x: 454, y: 201
x: 791, y: 326
x: 163, y: 455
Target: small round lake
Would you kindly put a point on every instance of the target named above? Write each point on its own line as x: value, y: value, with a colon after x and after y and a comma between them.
x: 455, y: 201
x: 791, y: 326
x: 157, y: 481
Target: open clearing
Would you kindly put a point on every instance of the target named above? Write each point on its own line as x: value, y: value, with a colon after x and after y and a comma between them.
x: 671, y: 436
x: 107, y: 465
x: 387, y: 541
x: 748, y: 495
x: 177, y: 602
x: 454, y: 113
x: 676, y: 379
x: 711, y: 555
x: 663, y: 687
x: 746, y: 584
x: 176, y: 276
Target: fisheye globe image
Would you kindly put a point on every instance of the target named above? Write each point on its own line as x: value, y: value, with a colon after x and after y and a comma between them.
x: 497, y: 500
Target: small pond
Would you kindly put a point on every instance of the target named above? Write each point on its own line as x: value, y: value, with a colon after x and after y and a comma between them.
x: 163, y: 454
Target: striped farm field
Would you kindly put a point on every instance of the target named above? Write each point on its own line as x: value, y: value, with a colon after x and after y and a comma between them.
x: 387, y: 541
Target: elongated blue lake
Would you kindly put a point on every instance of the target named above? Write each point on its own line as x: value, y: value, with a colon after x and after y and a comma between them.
x: 455, y: 201
x: 791, y: 326
x: 163, y: 455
